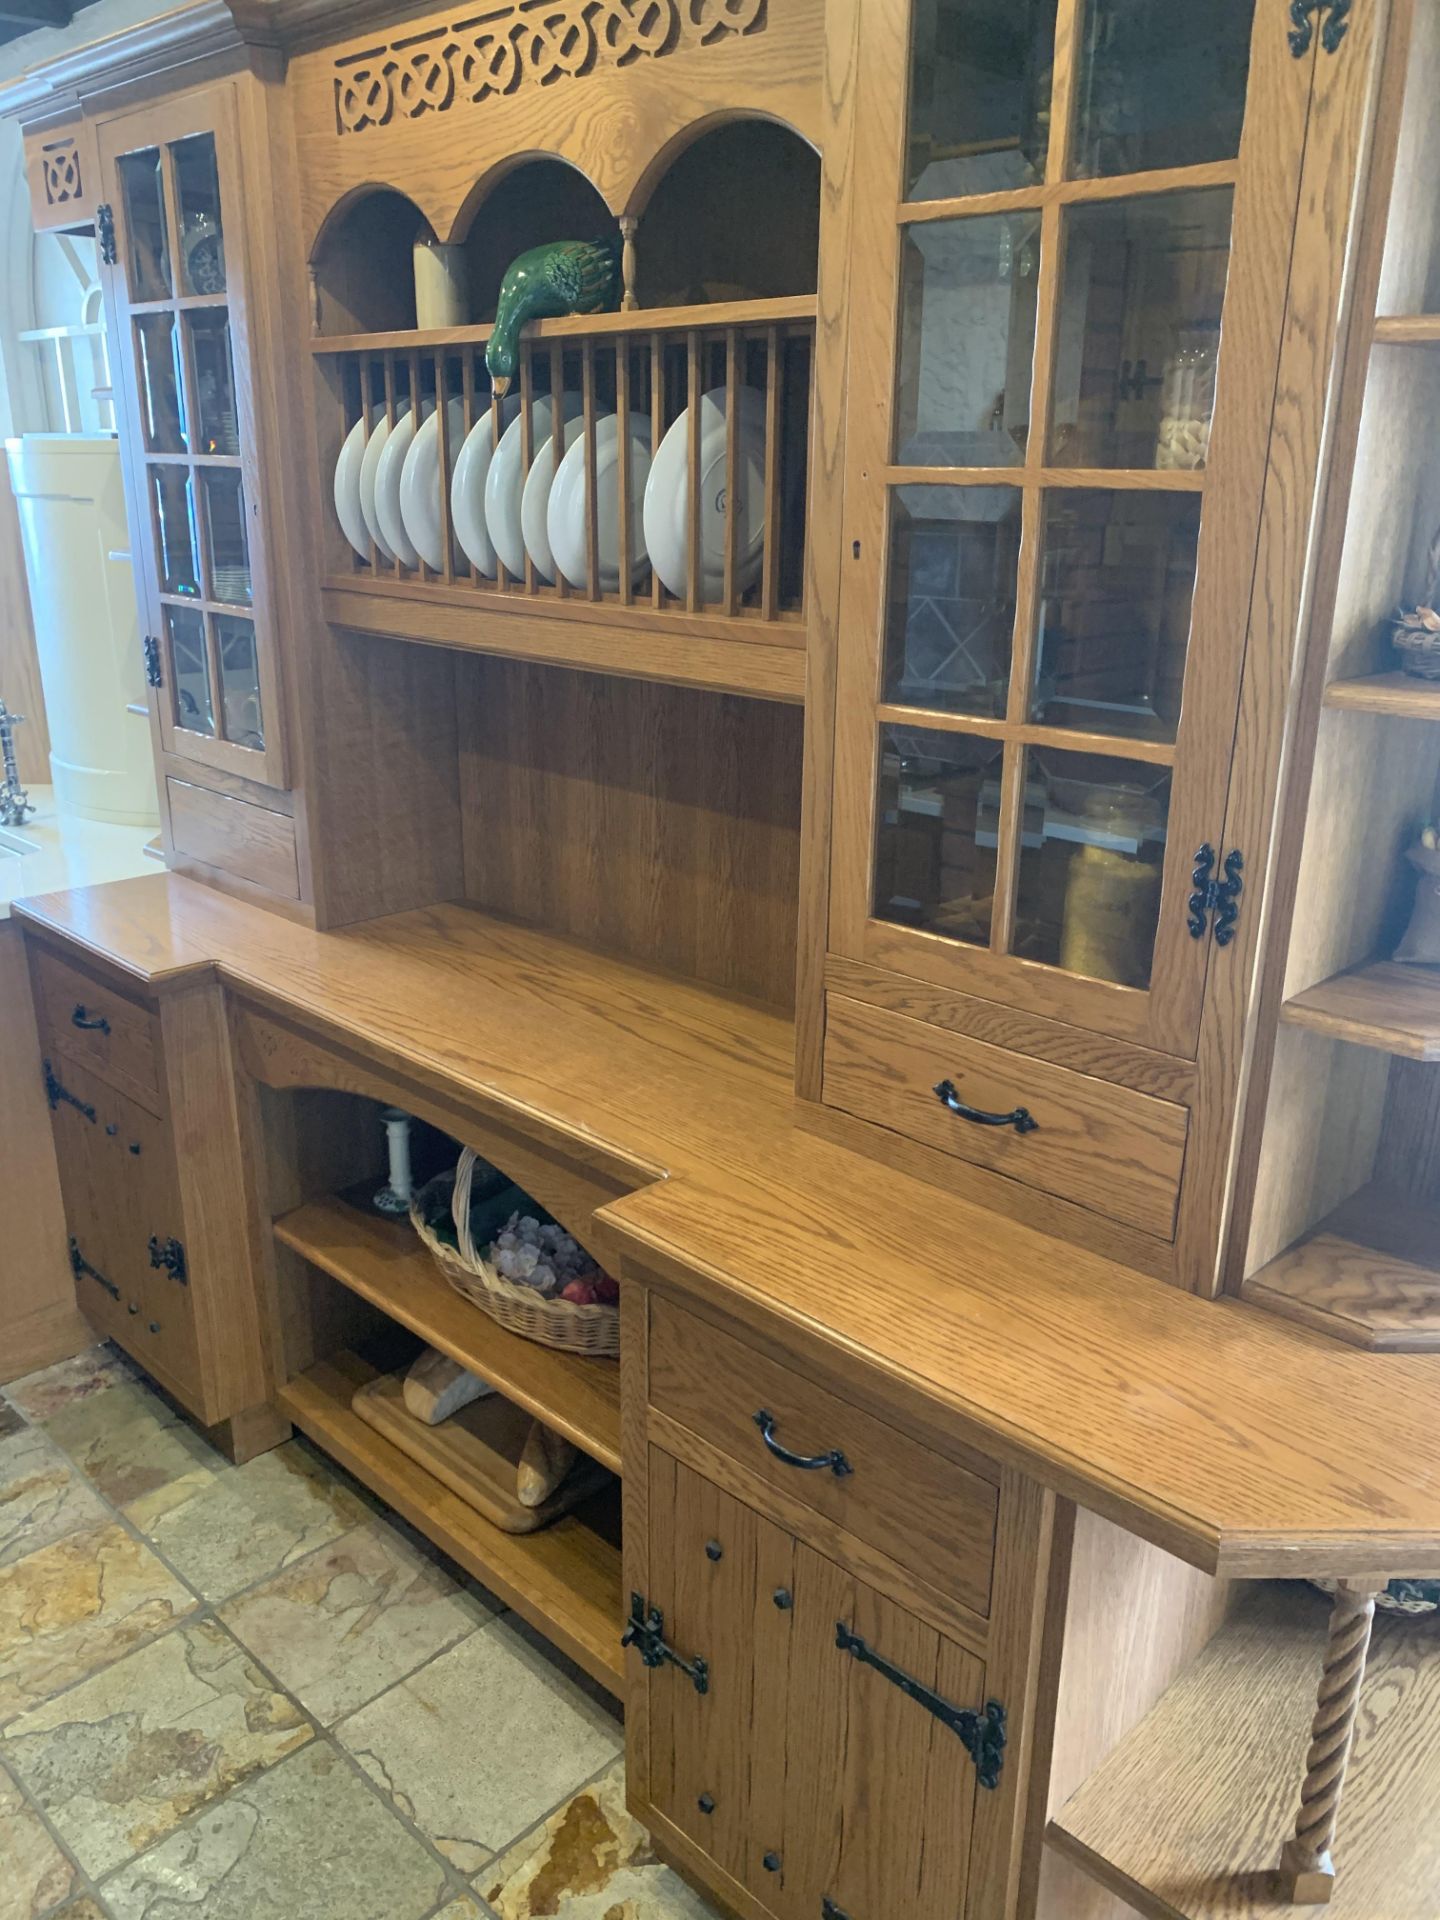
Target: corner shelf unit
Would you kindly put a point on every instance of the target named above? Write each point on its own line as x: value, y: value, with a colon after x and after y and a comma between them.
x: 1367, y: 1274
x: 1187, y: 1817
x: 565, y: 1579
x: 738, y: 627
x: 1394, y: 1009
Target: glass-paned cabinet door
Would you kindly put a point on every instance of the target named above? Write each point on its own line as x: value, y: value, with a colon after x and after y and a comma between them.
x: 1062, y: 359
x: 179, y: 307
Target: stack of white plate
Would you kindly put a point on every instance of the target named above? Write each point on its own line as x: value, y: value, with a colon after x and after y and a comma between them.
x: 388, y: 490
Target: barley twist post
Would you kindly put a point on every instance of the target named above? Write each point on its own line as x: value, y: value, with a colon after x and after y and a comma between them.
x: 1307, y: 1872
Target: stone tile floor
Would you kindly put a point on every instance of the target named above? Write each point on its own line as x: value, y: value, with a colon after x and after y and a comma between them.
x: 253, y: 1693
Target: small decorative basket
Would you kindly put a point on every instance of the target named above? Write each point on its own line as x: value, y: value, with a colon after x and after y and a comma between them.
x: 1416, y: 630
x: 566, y: 1324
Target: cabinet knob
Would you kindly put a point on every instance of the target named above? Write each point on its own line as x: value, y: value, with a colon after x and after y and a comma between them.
x: 706, y: 1803
x: 771, y: 1863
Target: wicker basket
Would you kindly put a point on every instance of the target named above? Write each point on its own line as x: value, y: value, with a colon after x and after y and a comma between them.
x: 553, y: 1323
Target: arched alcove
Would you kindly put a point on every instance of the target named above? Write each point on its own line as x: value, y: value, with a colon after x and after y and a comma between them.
x: 733, y: 215
x: 363, y: 263
x: 536, y: 200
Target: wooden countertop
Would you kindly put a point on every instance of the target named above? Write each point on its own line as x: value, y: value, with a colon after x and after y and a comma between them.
x: 1245, y: 1444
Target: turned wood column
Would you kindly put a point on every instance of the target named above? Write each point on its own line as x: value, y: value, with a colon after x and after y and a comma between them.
x: 628, y: 225
x: 1307, y: 1872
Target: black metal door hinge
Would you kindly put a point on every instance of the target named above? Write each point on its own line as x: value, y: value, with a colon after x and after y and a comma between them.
x: 81, y: 1267
x: 646, y: 1633
x: 1302, y: 26
x: 1218, y: 897
x: 981, y: 1734
x: 55, y: 1093
x: 153, y: 675
x: 829, y: 1910
x: 105, y: 228
x: 169, y: 1255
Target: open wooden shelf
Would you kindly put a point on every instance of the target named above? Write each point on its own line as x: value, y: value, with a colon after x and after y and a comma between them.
x: 1408, y: 330
x: 565, y: 1580
x: 384, y: 1263
x: 580, y: 326
x: 1187, y: 1817
x: 1402, y: 696
x: 1391, y: 1008
x: 762, y: 659
x: 1369, y: 1273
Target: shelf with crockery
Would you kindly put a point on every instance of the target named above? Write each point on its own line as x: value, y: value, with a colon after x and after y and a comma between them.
x: 670, y: 546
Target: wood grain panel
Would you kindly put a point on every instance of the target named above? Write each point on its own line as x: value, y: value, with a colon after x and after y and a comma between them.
x: 656, y: 822
x: 39, y: 1319
x: 1111, y: 1149
x: 253, y: 843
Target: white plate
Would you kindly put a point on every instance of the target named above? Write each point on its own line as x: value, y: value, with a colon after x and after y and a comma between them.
x: 505, y: 482
x: 535, y: 500
x: 667, y: 496
x: 420, y: 481
x: 566, y: 515
x: 467, y: 489
x: 388, y: 471
x: 347, y: 487
x: 374, y: 447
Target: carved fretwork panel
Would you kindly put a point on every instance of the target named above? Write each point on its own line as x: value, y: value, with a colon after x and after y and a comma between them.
x: 524, y: 45
x: 61, y: 172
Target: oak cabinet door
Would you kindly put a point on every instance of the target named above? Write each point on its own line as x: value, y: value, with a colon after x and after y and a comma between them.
x: 814, y: 1769
x: 179, y: 306
x: 1073, y: 235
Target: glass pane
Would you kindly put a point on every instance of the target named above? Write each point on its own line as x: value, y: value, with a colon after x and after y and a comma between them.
x: 217, y: 424
x: 1160, y: 86
x: 950, y: 606
x: 162, y: 393
x: 197, y: 188
x: 1091, y: 858
x: 148, y: 259
x: 240, y: 681
x: 1117, y: 583
x: 172, y: 492
x: 1139, y: 330
x: 194, y: 707
x: 980, y: 73
x: 936, y: 832
x: 228, y: 550
x: 967, y: 341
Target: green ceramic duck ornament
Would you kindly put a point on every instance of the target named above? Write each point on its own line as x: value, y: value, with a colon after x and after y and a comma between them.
x: 567, y: 276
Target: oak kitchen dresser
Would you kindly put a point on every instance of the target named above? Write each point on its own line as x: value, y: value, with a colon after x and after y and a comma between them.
x: 940, y: 966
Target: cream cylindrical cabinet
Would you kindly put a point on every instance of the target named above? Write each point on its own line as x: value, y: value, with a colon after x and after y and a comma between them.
x: 71, y: 502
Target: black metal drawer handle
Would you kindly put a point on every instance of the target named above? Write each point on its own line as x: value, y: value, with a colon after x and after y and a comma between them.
x: 88, y: 1022
x: 834, y: 1461
x: 1022, y: 1120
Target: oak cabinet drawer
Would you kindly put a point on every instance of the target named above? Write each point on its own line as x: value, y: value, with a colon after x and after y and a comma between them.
x: 1104, y: 1147
x: 96, y: 1026
x: 928, y: 1513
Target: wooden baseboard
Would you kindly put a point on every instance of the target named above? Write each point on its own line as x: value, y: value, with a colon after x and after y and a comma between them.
x: 48, y: 1334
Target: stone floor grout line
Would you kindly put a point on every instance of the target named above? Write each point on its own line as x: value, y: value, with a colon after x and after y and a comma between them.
x: 327, y: 1736
x: 84, y: 1886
